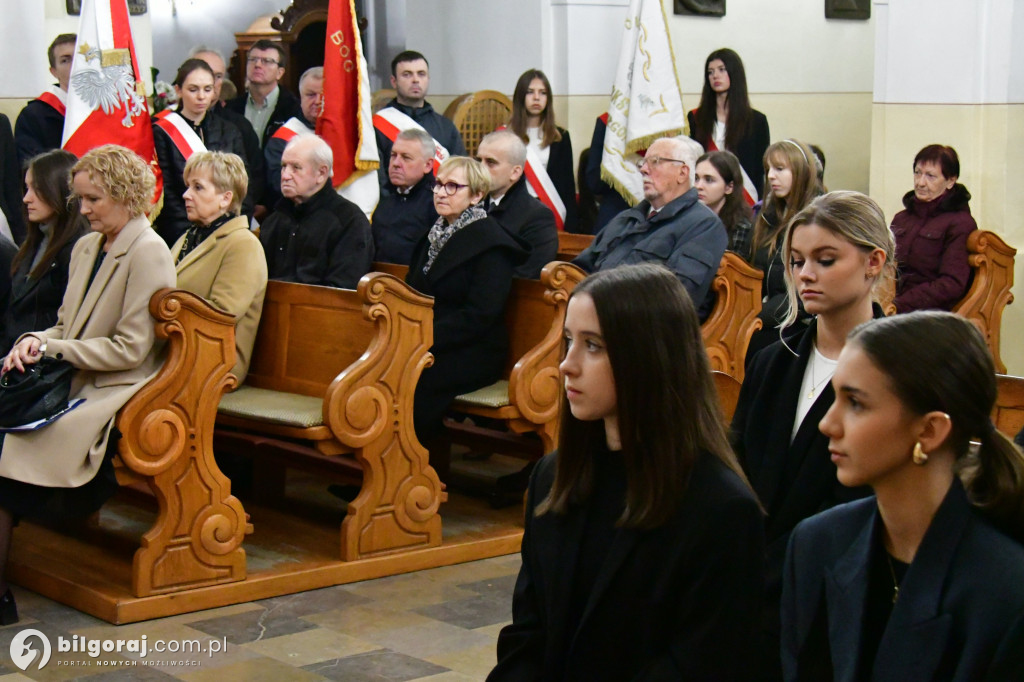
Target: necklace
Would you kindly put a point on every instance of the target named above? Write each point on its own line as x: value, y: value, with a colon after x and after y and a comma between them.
x: 815, y: 383
x: 892, y: 572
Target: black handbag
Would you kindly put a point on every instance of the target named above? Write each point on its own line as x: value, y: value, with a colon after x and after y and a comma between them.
x: 39, y: 392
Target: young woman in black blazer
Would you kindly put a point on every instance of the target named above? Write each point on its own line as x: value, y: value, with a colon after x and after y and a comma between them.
x: 925, y: 581
x: 39, y: 270
x: 839, y: 249
x: 533, y: 120
x: 724, y: 120
x: 643, y: 549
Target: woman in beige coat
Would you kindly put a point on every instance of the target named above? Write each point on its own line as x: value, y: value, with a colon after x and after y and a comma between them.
x: 218, y: 258
x: 105, y: 331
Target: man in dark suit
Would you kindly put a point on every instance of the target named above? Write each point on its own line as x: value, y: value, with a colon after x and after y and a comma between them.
x: 266, y: 105
x: 406, y: 209
x: 40, y: 125
x: 511, y: 205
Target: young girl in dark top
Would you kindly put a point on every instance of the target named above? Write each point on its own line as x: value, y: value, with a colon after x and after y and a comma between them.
x: 925, y: 581
x: 642, y: 555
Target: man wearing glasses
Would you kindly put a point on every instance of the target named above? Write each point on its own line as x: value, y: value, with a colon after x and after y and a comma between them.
x: 266, y: 105
x: 669, y: 226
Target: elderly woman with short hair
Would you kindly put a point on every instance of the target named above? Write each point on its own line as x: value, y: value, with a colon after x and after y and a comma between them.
x: 218, y: 258
x: 104, y: 330
x: 465, y: 262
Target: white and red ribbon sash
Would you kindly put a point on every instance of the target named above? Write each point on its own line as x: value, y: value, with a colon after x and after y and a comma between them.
x: 391, y: 122
x: 56, y: 98
x: 181, y: 134
x: 749, y: 189
x: 540, y: 185
x: 291, y: 128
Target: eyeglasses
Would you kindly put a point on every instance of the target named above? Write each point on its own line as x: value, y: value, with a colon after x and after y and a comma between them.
x: 449, y: 188
x: 653, y: 161
x: 265, y: 61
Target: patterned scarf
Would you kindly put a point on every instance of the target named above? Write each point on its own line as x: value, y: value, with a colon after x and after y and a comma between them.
x: 441, y: 232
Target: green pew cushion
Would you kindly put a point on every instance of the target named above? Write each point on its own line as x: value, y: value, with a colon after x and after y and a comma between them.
x: 276, y: 407
x: 495, y: 395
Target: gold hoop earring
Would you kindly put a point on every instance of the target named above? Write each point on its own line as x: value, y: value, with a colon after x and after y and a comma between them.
x: 920, y: 456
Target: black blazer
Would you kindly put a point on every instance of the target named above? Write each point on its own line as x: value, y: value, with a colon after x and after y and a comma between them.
x: 750, y: 151
x: 794, y: 480
x: 960, y: 613
x: 528, y: 219
x: 679, y: 602
x: 34, y: 302
x: 470, y: 281
x: 560, y: 168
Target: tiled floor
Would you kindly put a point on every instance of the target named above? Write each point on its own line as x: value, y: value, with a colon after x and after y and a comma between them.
x: 439, y: 625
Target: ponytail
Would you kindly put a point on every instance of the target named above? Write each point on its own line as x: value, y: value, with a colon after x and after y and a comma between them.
x: 992, y: 471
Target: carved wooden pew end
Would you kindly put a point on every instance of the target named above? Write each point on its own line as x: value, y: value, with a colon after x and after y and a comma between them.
x: 333, y: 373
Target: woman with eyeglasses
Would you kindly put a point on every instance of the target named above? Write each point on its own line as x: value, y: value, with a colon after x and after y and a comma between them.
x: 179, y: 134
x: 465, y: 262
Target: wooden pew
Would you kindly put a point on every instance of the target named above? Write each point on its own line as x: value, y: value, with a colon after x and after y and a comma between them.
x: 991, y: 261
x: 732, y: 321
x: 333, y: 373
x: 1008, y: 413
x: 167, y: 446
x: 526, y: 398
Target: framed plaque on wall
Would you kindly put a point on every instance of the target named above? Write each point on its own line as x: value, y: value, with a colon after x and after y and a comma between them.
x: 848, y: 9
x: 135, y: 7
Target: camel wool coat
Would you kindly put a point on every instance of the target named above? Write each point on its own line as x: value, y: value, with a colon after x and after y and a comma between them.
x: 229, y: 270
x: 106, y: 332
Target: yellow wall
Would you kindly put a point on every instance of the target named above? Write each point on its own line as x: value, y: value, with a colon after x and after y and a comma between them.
x: 989, y: 138
x: 840, y: 123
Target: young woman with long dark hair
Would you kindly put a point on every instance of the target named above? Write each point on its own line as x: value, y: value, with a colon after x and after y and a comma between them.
x: 39, y: 271
x: 924, y: 581
x: 725, y: 121
x: 719, y: 184
x: 533, y: 120
x: 643, y: 549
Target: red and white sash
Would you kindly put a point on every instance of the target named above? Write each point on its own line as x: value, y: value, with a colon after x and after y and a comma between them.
x: 391, y: 121
x: 56, y: 98
x: 749, y: 189
x: 181, y: 133
x: 290, y: 129
x: 540, y: 185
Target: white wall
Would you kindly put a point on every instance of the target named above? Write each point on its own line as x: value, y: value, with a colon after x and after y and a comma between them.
x: 201, y: 22
x: 969, y: 56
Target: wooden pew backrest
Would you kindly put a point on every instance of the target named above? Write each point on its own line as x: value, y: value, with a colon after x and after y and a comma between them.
x: 1008, y: 413
x: 991, y: 260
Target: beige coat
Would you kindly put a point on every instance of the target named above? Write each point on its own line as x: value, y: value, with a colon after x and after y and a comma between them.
x: 230, y: 271
x: 107, y: 333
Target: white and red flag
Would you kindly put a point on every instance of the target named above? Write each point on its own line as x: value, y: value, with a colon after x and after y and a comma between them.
x: 346, y: 122
x: 106, y: 101
x: 646, y: 101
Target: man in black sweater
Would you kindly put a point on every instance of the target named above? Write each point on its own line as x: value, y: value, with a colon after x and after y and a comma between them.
x: 315, y: 236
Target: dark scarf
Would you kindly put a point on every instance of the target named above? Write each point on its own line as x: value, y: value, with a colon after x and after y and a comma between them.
x: 197, y: 234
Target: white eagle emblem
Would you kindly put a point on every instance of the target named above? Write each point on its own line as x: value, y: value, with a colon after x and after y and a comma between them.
x: 111, y: 85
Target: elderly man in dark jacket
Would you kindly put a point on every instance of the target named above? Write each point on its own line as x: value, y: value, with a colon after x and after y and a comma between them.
x: 315, y: 236
x: 405, y: 212
x: 669, y: 226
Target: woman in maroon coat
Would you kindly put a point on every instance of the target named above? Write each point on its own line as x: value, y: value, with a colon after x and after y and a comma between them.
x: 931, y: 234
